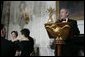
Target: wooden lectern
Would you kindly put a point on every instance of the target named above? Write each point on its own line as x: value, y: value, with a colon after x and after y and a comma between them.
x: 60, y: 32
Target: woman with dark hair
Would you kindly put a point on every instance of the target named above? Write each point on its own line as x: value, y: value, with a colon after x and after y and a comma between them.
x: 26, y: 44
x: 14, y: 35
x: 15, y: 41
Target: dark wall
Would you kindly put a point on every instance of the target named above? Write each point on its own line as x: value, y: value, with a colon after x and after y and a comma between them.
x: 1, y: 8
x: 76, y: 8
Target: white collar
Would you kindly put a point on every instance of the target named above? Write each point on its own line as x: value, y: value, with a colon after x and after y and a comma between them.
x: 66, y: 20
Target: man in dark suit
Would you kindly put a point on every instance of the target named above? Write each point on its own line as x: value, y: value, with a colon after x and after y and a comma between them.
x: 64, y: 13
x: 6, y: 46
x: 69, y: 49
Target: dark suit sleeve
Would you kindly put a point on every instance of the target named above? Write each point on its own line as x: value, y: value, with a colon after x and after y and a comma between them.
x: 75, y: 28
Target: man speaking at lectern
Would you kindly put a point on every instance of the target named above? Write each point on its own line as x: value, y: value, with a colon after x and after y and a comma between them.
x: 68, y: 49
x: 64, y: 13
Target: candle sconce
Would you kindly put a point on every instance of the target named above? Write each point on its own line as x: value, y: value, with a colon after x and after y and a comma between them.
x: 51, y: 12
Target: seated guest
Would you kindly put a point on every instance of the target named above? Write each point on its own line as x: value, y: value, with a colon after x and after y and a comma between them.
x: 25, y: 43
x: 6, y: 46
x: 14, y: 35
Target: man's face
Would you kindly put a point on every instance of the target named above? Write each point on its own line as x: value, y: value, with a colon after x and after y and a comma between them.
x: 63, y: 14
x: 3, y: 32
